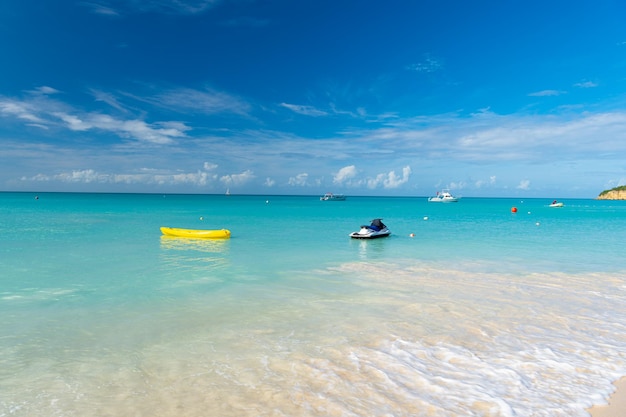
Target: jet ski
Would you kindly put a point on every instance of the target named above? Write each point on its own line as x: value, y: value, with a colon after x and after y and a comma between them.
x: 374, y: 230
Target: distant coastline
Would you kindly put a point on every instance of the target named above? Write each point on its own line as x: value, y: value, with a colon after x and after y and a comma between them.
x: 617, y: 193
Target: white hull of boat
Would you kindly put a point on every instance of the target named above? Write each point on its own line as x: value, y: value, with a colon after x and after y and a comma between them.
x: 366, y: 233
x: 332, y: 197
x: 443, y: 197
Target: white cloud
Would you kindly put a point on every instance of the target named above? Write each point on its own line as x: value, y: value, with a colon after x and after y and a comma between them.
x: 197, y: 178
x: 88, y: 176
x: 45, y: 90
x: 109, y: 99
x: 181, y: 7
x: 457, y: 185
x: 73, y: 122
x: 345, y: 174
x: 390, y: 180
x: 523, y: 185
x: 44, y: 112
x: 99, y: 8
x: 547, y: 93
x: 448, y: 147
x: 202, y: 101
x: 84, y: 176
x: 615, y: 183
x: 237, y: 179
x: 394, y: 181
x: 429, y: 64
x: 21, y: 110
x: 304, y: 110
x: 299, y: 180
x: 158, y: 133
x: 586, y: 84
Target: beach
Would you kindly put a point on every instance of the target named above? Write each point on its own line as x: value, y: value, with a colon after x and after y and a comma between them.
x: 480, y: 313
x: 616, y: 406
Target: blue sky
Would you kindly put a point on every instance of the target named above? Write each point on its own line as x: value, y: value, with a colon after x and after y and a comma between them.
x: 488, y: 98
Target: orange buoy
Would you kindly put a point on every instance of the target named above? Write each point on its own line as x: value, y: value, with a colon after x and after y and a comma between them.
x: 514, y: 210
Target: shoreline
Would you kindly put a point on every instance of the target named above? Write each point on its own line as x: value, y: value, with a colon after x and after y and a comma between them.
x: 616, y: 406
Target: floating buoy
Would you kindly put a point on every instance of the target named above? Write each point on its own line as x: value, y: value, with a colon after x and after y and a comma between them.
x: 514, y: 210
x: 537, y: 223
x: 412, y: 235
x: 425, y: 217
x: 201, y: 218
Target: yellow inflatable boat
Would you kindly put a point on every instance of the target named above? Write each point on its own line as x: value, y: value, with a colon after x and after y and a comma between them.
x: 193, y: 233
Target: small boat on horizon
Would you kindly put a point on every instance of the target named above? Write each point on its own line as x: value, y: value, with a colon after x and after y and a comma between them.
x: 443, y: 196
x: 332, y: 197
x: 556, y: 203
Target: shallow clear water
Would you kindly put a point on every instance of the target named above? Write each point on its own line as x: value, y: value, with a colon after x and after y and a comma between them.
x: 484, y: 312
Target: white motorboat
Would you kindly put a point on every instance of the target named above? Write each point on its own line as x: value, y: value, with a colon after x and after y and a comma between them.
x: 443, y: 196
x: 372, y: 231
x: 556, y: 203
x: 332, y: 197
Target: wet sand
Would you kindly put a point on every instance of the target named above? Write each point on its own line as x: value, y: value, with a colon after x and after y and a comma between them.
x: 617, y: 403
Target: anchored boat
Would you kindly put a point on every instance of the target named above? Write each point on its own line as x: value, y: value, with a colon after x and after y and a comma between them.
x: 443, y: 197
x: 375, y: 230
x: 196, y: 233
x: 332, y: 197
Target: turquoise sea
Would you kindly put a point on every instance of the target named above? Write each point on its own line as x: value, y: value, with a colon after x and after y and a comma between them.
x: 482, y: 312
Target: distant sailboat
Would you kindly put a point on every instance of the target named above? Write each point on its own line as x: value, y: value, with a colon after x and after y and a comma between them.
x: 228, y: 191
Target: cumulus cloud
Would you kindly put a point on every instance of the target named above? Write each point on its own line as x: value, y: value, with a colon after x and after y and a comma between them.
x: 89, y: 176
x: 299, y: 180
x: 523, y: 185
x: 269, y: 182
x: 482, y: 183
x: 197, y: 178
x: 390, y: 180
x: 84, y: 176
x: 345, y: 174
x: 237, y: 179
x: 457, y: 185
